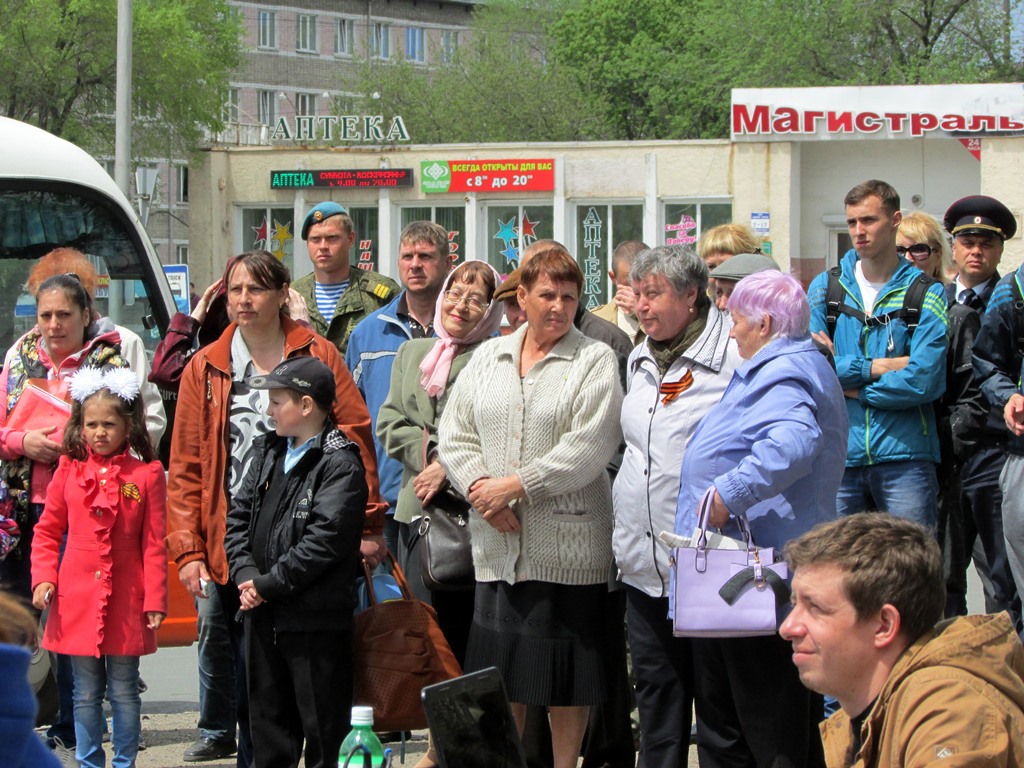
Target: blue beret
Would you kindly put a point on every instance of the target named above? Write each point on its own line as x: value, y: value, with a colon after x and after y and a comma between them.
x: 980, y: 215
x: 318, y: 214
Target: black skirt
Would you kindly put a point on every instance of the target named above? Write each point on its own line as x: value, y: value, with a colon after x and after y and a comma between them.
x: 547, y: 640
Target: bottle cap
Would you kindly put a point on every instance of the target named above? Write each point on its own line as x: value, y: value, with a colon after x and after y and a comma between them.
x: 362, y: 715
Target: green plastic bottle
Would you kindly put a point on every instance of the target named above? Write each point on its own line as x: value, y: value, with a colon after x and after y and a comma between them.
x: 361, y: 734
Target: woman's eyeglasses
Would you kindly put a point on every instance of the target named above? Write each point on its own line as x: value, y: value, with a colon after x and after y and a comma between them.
x: 454, y: 297
x: 917, y: 251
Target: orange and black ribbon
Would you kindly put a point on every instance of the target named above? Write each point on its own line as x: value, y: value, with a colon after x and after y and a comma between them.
x: 673, y: 389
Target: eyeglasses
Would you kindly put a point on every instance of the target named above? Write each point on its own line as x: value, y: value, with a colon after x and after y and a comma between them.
x: 454, y: 297
x: 917, y: 251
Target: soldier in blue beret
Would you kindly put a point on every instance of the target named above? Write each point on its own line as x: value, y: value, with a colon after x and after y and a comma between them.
x: 337, y: 296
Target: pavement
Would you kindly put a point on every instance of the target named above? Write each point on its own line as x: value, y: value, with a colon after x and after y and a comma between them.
x: 170, y: 711
x: 170, y: 707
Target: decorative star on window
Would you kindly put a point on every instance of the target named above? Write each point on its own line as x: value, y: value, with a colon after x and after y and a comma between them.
x: 511, y: 253
x: 506, y: 230
x: 282, y: 234
x: 262, y: 234
x: 526, y: 229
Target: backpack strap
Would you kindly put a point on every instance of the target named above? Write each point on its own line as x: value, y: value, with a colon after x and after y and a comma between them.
x: 834, y: 298
x: 913, y: 300
x: 910, y: 312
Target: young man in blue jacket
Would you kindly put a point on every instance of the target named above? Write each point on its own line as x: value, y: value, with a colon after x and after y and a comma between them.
x: 890, y: 372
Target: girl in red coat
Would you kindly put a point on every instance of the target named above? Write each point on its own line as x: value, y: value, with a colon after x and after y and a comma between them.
x: 110, y: 592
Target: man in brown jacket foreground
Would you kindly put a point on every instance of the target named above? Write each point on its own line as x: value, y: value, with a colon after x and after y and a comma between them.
x: 867, y: 593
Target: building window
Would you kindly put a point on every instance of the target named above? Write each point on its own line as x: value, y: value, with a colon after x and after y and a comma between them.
x: 344, y: 34
x: 512, y: 228
x: 305, y: 104
x: 181, y: 253
x: 267, y: 29
x: 380, y: 41
x: 415, y: 48
x: 449, y: 44
x: 452, y: 218
x: 231, y: 106
x: 306, y: 38
x: 683, y: 222
x: 269, y: 229
x: 365, y: 222
x: 181, y: 188
x: 265, y: 107
x: 599, y: 228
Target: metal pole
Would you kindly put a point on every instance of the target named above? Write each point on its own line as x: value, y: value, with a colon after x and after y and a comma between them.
x: 122, y: 134
x: 123, y: 97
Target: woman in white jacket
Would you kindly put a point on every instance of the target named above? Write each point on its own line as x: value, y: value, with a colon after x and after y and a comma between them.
x: 674, y: 378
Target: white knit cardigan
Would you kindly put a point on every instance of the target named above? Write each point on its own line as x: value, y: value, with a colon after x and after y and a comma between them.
x: 556, y: 428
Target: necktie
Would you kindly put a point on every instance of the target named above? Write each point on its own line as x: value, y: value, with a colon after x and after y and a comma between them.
x: 972, y: 300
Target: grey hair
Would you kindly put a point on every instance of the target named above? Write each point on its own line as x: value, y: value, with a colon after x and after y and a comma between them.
x: 680, y: 265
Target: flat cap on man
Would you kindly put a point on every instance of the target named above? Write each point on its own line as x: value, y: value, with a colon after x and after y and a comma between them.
x: 980, y: 215
x: 320, y: 212
x: 508, y: 288
x: 743, y: 265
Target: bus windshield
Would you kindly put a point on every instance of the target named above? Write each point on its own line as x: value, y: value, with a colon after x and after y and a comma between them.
x: 37, y: 216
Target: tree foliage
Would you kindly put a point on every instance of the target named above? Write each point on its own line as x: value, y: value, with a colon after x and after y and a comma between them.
x: 58, y: 69
x: 665, y: 69
x: 548, y: 70
x: 503, y: 83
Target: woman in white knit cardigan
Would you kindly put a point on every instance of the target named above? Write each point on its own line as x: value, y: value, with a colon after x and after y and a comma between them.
x: 527, y: 433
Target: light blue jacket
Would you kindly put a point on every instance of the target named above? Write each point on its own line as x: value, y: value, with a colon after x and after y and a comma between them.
x: 893, y: 419
x: 774, y: 447
x: 369, y: 356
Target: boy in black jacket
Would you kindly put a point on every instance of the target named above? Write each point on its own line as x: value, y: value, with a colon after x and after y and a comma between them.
x: 293, y: 549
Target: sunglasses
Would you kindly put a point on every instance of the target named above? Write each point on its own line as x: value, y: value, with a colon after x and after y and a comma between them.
x: 917, y: 251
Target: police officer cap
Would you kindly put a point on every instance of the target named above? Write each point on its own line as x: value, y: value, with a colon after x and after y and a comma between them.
x: 980, y: 215
x: 318, y: 214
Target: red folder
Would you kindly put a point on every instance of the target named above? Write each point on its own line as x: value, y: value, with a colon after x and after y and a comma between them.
x: 42, y: 404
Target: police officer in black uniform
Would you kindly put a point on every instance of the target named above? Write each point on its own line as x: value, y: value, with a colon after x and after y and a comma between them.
x: 979, y: 226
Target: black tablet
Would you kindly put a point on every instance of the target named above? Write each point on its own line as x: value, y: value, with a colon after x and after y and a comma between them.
x: 471, y: 722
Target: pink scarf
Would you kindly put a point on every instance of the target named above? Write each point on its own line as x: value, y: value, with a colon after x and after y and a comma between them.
x: 438, y: 363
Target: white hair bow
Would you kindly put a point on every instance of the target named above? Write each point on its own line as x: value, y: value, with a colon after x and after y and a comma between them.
x: 120, y: 381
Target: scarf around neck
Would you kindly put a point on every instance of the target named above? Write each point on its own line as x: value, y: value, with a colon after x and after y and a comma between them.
x: 666, y: 352
x: 438, y: 363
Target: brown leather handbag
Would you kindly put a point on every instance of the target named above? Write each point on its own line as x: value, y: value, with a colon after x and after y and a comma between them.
x: 399, y: 649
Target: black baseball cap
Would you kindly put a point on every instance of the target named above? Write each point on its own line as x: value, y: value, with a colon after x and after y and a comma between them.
x: 305, y: 375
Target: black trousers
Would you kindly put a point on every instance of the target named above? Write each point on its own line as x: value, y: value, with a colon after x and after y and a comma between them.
x: 752, y: 710
x: 981, y: 503
x: 663, y: 667
x: 231, y: 605
x: 300, y: 688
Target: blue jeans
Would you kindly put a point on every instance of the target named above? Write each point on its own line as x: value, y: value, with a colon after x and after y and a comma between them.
x: 117, y: 677
x: 216, y: 671
x: 907, y: 489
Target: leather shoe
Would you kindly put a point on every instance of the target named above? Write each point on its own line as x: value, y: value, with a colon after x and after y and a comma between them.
x: 208, y: 749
